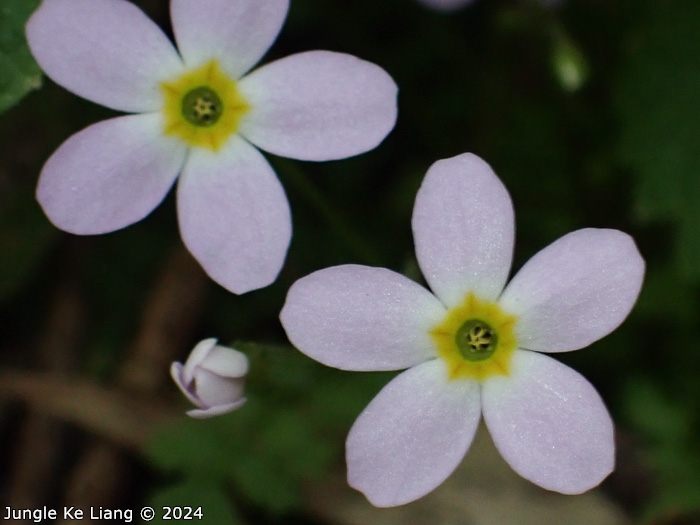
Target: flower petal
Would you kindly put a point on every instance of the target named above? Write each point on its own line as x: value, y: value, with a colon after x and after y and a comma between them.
x: 237, y: 34
x: 214, y: 390
x: 199, y: 413
x: 178, y: 374
x: 413, y: 435
x: 575, y: 291
x: 105, y: 51
x: 464, y: 230
x: 234, y: 216
x: 361, y: 318
x: 226, y: 362
x: 109, y: 175
x: 318, y: 105
x: 197, y: 355
x: 445, y: 5
x: 549, y: 424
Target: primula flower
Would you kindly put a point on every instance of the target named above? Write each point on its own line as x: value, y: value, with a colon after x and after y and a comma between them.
x: 453, y: 5
x: 198, y: 114
x: 445, y: 5
x: 212, y: 378
x: 473, y: 347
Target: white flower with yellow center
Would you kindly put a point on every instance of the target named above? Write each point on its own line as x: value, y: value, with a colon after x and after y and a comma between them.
x: 198, y: 114
x: 473, y: 347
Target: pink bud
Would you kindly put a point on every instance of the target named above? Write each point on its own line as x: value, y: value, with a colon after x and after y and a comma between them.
x: 212, y: 378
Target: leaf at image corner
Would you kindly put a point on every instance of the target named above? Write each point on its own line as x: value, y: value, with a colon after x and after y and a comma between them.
x: 19, y: 73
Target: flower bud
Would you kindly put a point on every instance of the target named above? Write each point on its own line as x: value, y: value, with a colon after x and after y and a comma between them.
x: 212, y: 378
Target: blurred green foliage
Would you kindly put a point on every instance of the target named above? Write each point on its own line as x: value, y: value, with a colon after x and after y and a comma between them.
x: 590, y: 113
x: 19, y: 72
x: 659, y: 104
x: 673, y: 449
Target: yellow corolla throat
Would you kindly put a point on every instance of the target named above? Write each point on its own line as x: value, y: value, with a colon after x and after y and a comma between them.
x: 203, y: 107
x: 476, y: 339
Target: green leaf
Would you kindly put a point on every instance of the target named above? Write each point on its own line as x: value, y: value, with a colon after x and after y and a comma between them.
x: 199, y: 494
x: 191, y: 446
x: 679, y: 500
x: 265, y: 450
x: 20, y: 73
x: 660, y: 420
x: 261, y: 480
x: 659, y: 105
x: 670, y: 449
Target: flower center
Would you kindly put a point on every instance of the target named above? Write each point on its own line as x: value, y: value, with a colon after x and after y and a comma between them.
x: 476, y: 339
x: 203, y: 107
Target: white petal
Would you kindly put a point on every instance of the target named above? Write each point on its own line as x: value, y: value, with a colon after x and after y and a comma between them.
x: 107, y: 51
x: 360, y: 318
x: 236, y: 33
x: 413, y: 435
x: 463, y: 228
x: 234, y: 216
x: 549, y: 424
x: 214, y: 390
x: 199, y: 413
x: 109, y: 175
x: 575, y: 291
x: 226, y: 362
x: 318, y: 105
x: 178, y: 374
x: 197, y: 355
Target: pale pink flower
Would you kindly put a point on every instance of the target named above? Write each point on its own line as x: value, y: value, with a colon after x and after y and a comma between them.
x: 198, y: 114
x: 445, y: 5
x: 212, y: 378
x: 454, y: 5
x: 474, y: 346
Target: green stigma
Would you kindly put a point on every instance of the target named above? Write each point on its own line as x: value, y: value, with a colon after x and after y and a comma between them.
x: 202, y: 107
x: 476, y: 340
